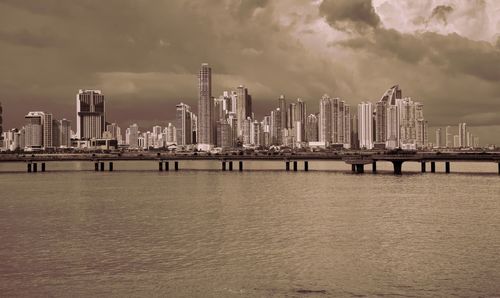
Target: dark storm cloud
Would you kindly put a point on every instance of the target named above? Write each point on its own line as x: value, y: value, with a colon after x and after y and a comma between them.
x: 349, y: 14
x: 441, y: 13
x: 452, y: 52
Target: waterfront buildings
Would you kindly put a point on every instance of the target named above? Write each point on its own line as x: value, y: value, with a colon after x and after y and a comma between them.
x: 90, y: 114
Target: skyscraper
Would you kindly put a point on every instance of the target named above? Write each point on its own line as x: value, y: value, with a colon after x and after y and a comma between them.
x: 90, y: 114
x: 65, y: 133
x: 312, y: 128
x: 34, y: 130
x: 438, y: 143
x: 449, y: 137
x: 325, y: 119
x: 381, y: 122
x: 133, y: 136
x: 183, y: 124
x: 275, y: 127
x: 47, y: 131
x: 365, y: 126
x: 300, y: 118
x: 282, y: 106
x: 462, y: 135
x: 243, y: 107
x: 205, y: 132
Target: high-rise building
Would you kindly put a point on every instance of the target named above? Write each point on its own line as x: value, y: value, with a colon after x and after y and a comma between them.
x: 256, y: 133
x: 312, y: 128
x: 34, y: 130
x: 290, y: 115
x: 438, y: 142
x: 246, y: 126
x: 65, y: 133
x: 243, y: 107
x: 300, y: 118
x: 56, y: 133
x: 381, y: 122
x: 365, y: 125
x: 132, y: 136
x: 325, y: 119
x: 47, y: 131
x: 183, y: 124
x: 90, y: 114
x: 462, y: 135
x: 224, y: 135
x: 205, y: 131
x: 282, y: 106
x: 456, y: 141
x: 275, y: 127
x: 449, y: 139
x: 171, y: 134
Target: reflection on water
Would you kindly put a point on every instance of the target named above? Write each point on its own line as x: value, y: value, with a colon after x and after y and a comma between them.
x: 327, y: 232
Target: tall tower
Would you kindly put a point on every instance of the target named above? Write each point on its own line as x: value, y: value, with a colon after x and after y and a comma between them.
x: 243, y: 107
x: 183, y: 125
x: 282, y: 106
x: 365, y: 126
x: 449, y: 137
x: 462, y: 135
x: 205, y: 131
x: 438, y: 143
x: 325, y: 119
x: 90, y: 114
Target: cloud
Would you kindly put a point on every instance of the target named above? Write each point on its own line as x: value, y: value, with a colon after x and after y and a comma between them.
x: 441, y: 13
x: 348, y: 15
x: 145, y: 55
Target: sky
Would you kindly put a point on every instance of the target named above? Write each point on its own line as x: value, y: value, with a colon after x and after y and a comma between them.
x: 144, y: 55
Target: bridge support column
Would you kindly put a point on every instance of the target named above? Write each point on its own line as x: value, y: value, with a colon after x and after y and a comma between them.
x: 176, y: 165
x: 240, y: 165
x: 398, y: 165
x: 353, y: 168
x: 447, y: 167
x: 167, y: 166
x: 223, y: 165
x: 102, y: 166
x: 96, y: 166
x: 306, y: 166
x: 374, y: 167
x: 230, y: 165
x: 160, y: 166
x: 287, y: 165
x: 35, y: 167
x: 422, y: 167
x: 360, y: 168
x: 111, y: 166
x: 295, y: 166
x: 499, y: 168
x: 433, y: 167
x: 29, y: 168
x: 43, y: 167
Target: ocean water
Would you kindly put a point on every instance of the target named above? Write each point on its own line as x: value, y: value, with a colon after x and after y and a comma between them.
x: 263, y: 232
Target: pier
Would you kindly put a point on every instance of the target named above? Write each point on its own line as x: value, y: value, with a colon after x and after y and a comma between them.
x: 292, y: 162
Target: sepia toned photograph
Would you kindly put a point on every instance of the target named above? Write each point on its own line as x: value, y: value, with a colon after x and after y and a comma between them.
x: 249, y: 148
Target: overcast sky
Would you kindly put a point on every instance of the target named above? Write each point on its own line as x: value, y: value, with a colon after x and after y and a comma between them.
x: 144, y: 55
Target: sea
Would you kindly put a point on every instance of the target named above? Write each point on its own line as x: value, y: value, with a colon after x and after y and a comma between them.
x: 262, y: 232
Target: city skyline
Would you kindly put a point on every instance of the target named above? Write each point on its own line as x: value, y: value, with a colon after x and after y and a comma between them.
x: 227, y: 121
x: 443, y: 53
